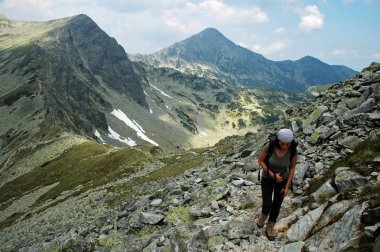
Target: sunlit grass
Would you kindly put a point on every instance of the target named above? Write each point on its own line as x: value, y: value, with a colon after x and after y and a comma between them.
x: 88, y: 165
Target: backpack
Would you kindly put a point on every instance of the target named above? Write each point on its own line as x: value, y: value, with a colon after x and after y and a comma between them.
x: 272, y: 139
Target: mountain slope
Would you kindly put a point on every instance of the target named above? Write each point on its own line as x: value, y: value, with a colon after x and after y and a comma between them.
x: 83, y: 196
x: 68, y: 76
x: 211, y: 54
x: 53, y: 76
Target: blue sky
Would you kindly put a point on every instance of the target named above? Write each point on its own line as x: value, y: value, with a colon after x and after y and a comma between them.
x: 338, y: 32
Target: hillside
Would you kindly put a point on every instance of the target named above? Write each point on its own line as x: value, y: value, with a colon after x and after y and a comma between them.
x: 210, y: 54
x: 75, y: 194
x: 68, y: 76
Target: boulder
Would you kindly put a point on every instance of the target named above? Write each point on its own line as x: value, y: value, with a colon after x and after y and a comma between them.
x: 348, y: 179
x: 340, y: 235
x: 300, y: 230
x: 325, y: 192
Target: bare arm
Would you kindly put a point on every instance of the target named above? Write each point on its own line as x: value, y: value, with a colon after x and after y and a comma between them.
x: 263, y: 165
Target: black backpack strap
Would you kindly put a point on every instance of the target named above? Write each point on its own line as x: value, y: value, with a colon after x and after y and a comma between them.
x: 272, y: 145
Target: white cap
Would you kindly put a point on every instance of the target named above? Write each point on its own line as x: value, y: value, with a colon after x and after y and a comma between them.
x: 285, y: 135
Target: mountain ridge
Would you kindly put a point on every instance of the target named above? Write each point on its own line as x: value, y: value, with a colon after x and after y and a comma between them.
x: 210, y: 53
x: 70, y: 76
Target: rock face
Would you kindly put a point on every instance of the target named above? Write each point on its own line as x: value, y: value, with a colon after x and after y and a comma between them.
x: 54, y: 75
x: 213, y: 202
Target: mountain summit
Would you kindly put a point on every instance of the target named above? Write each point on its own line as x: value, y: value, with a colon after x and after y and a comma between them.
x: 209, y: 53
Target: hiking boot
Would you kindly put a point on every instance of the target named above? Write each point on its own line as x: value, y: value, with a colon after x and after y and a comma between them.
x: 261, y: 220
x: 270, y: 231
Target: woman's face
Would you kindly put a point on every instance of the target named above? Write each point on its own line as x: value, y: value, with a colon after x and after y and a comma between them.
x: 284, y: 145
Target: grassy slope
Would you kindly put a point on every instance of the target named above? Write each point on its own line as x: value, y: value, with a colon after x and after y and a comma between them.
x: 89, y: 165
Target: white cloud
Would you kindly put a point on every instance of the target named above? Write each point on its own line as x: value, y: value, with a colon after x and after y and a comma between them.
x: 339, y: 52
x: 311, y: 19
x: 218, y: 9
x: 375, y: 56
x: 280, y: 30
x: 274, y: 47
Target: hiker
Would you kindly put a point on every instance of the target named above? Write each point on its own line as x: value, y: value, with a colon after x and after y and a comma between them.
x: 278, y: 161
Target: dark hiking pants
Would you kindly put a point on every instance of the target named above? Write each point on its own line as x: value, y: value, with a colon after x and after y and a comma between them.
x: 272, y: 199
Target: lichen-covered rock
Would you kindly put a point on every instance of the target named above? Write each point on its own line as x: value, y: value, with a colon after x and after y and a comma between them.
x: 348, y: 179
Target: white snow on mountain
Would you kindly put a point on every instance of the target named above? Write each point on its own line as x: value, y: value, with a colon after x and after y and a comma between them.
x: 133, y: 125
x: 114, y: 135
x: 97, y: 134
x: 162, y: 92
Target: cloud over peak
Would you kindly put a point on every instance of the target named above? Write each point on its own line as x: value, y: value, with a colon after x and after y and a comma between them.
x: 311, y: 19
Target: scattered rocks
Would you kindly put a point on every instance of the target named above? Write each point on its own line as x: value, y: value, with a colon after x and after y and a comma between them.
x: 214, y: 206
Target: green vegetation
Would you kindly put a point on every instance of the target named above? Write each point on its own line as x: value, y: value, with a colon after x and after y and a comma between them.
x: 179, y: 214
x: 371, y: 193
x: 175, y: 165
x: 313, y: 117
x: 223, y: 146
x: 88, y: 165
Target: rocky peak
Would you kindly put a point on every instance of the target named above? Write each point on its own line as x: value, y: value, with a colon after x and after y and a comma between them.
x: 210, y: 53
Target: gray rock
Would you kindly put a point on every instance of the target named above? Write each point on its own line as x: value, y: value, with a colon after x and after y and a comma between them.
x: 333, y: 214
x: 204, y: 212
x: 339, y: 236
x: 188, y: 238
x: 348, y: 179
x: 156, y: 202
x: 375, y: 116
x: 354, y: 102
x: 299, y: 174
x: 353, y: 119
x: 238, y: 182
x: 300, y: 230
x: 239, y: 229
x: 292, y: 247
x: 308, y: 129
x: 318, y: 166
x: 350, y: 142
x: 325, y: 192
x: 295, y: 127
x: 364, y: 107
x: 325, y: 132
x: 150, y: 218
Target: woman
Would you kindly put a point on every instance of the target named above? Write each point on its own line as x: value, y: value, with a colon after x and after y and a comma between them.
x: 277, y: 177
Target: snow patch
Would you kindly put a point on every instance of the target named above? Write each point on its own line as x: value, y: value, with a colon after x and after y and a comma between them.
x: 97, y: 134
x: 114, y: 135
x: 133, y: 125
x: 162, y: 92
x: 203, y: 133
